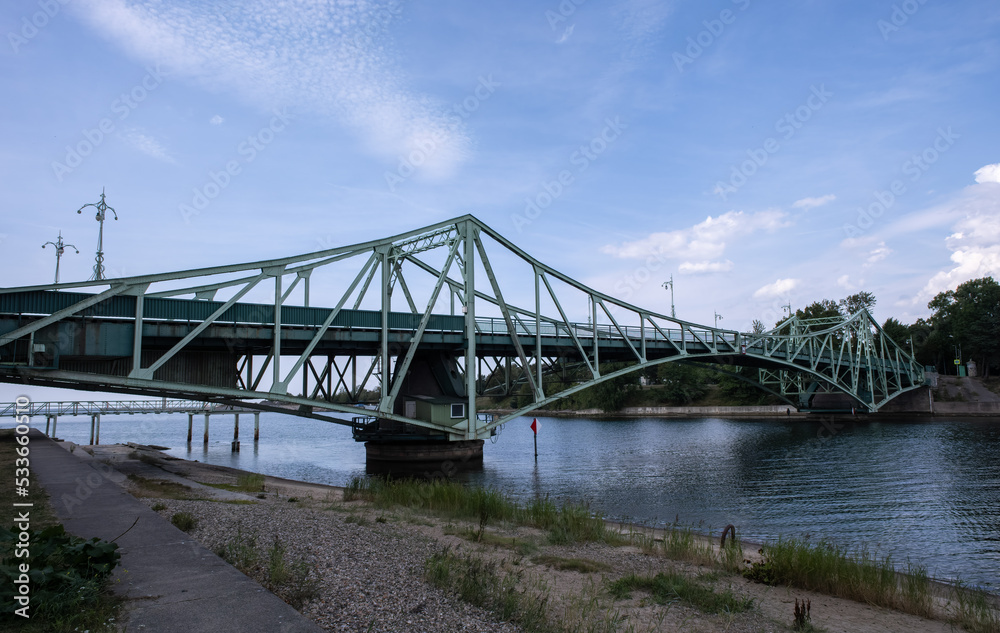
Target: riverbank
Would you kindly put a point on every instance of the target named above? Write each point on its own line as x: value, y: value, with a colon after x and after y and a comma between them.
x: 370, y: 564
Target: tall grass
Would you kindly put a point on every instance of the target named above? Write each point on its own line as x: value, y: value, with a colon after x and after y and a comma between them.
x: 567, y: 523
x: 976, y: 611
x: 857, y: 575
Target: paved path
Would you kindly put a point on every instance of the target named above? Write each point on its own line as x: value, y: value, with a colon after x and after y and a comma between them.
x: 172, y: 583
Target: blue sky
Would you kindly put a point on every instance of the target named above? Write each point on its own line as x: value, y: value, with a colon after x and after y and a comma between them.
x: 761, y: 153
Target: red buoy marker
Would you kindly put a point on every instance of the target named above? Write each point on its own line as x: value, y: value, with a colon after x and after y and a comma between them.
x: 534, y: 428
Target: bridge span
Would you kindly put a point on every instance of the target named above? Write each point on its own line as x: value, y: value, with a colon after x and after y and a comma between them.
x: 462, y: 327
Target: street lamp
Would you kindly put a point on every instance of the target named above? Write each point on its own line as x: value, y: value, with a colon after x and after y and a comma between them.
x: 102, y: 209
x: 60, y: 247
x: 717, y: 318
x: 670, y: 284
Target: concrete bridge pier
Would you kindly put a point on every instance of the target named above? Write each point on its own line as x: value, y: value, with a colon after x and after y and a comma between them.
x: 190, y: 426
x: 236, y: 434
x: 449, y: 455
x: 54, y: 420
x: 95, y: 429
x: 206, y: 430
x: 256, y: 427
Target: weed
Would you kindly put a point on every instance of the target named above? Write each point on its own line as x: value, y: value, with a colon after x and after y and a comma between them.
x: 240, y: 551
x: 184, y: 521
x: 157, y: 507
x: 802, y: 614
x: 69, y: 580
x: 488, y: 584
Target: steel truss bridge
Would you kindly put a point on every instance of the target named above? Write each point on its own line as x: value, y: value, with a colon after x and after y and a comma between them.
x: 474, y: 315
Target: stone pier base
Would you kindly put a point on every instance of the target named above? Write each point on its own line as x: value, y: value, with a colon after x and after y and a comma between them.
x: 425, y: 451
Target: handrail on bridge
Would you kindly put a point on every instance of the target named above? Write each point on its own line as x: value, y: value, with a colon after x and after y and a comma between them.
x: 111, y: 407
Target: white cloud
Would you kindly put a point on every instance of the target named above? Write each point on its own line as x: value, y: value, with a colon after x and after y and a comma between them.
x: 216, y: 120
x: 566, y: 34
x: 332, y: 59
x: 812, y: 203
x: 989, y: 173
x: 877, y: 254
x: 844, y: 281
x: 702, y: 245
x: 779, y: 288
x: 706, y: 267
x: 975, y: 241
x: 147, y: 145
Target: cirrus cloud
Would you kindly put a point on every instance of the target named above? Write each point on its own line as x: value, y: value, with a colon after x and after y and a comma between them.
x: 332, y: 59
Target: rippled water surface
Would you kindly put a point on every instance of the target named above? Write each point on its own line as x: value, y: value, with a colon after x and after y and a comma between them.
x: 927, y: 491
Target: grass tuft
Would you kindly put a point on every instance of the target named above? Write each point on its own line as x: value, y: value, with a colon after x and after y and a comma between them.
x: 490, y: 585
x: 667, y: 588
x: 582, y: 565
x: 184, y: 521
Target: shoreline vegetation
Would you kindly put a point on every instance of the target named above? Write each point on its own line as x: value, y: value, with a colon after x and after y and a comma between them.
x: 539, y: 566
x: 70, y: 577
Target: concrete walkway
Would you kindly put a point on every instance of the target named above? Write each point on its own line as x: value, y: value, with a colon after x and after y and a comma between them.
x: 172, y: 583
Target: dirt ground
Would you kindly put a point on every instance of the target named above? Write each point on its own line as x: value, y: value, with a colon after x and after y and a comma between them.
x: 569, y: 592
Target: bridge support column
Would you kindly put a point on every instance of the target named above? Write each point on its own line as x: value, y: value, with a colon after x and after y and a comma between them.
x: 190, y: 426
x: 93, y: 420
x: 54, y: 420
x: 48, y: 419
x: 236, y: 433
x: 97, y: 435
x: 206, y: 429
x: 448, y: 456
x: 256, y: 427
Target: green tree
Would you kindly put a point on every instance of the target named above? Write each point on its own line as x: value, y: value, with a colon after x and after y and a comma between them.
x: 682, y: 384
x: 740, y: 392
x: 970, y: 316
x: 853, y: 303
x: 611, y: 395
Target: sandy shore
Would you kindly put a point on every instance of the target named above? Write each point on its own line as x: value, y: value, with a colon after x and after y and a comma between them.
x: 368, y: 564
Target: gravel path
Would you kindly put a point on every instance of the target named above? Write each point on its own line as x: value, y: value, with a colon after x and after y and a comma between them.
x: 370, y: 573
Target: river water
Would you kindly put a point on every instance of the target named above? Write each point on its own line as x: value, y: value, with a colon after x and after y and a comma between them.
x: 925, y: 491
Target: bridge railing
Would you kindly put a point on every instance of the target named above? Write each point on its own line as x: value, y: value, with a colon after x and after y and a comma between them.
x: 97, y: 407
x: 498, y: 326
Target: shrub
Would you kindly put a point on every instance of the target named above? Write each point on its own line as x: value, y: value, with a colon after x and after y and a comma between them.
x: 68, y: 576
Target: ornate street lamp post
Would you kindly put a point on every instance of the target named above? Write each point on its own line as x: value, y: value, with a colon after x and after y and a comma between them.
x: 60, y: 247
x: 102, y: 209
